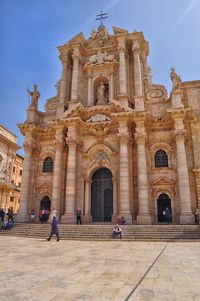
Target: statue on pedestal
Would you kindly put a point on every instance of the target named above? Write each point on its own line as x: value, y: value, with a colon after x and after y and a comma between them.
x: 35, y: 94
x: 101, y: 100
x: 176, y: 80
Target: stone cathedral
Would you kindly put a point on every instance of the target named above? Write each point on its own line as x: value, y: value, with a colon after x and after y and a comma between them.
x: 111, y: 142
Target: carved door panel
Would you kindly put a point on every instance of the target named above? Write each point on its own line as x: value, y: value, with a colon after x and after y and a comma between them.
x: 102, y: 196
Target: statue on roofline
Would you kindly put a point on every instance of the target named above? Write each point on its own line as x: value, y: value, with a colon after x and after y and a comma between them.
x: 176, y: 80
x: 35, y: 94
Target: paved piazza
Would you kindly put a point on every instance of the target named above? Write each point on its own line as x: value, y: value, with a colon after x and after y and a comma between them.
x: 34, y: 269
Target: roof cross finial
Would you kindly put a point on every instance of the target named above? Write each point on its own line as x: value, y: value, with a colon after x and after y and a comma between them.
x: 102, y: 16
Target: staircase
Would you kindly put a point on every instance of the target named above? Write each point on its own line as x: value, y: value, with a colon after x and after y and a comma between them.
x: 104, y: 232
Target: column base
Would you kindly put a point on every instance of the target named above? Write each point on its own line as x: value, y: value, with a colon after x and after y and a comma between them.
x: 139, y: 103
x: 68, y: 218
x: 127, y: 216
x: 176, y: 99
x: 60, y: 110
x: 186, y: 218
x: 87, y: 218
x: 144, y: 219
x: 22, y: 217
x: 72, y: 103
x: 123, y: 99
x: 114, y: 218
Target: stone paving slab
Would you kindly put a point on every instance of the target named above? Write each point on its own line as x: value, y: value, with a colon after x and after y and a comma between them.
x: 34, y: 269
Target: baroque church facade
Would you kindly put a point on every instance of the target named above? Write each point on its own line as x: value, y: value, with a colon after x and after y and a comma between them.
x: 112, y: 142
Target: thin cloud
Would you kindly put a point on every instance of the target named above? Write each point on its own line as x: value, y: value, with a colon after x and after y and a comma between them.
x: 190, y: 6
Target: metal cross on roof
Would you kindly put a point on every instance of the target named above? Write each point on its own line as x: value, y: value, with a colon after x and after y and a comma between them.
x: 102, y: 16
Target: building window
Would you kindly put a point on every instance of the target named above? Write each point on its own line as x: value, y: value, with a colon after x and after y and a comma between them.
x: 13, y: 168
x: 161, y: 159
x: 12, y: 199
x: 48, y: 165
x: 19, y: 184
x: 20, y: 172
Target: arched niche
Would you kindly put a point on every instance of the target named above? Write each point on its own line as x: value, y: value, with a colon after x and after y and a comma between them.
x: 96, y: 84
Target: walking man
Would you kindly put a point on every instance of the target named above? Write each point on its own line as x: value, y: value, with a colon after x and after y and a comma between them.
x: 54, y: 229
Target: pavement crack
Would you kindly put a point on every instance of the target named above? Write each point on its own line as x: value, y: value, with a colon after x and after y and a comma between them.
x: 147, y: 271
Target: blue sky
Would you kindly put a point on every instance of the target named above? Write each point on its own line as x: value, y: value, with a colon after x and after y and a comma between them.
x: 30, y: 31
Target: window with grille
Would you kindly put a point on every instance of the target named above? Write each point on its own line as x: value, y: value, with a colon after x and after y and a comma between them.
x: 48, y: 165
x: 161, y: 159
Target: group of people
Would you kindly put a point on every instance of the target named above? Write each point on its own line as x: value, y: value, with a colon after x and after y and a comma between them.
x: 6, y: 219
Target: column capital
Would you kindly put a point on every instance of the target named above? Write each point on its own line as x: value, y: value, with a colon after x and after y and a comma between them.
x: 180, y: 135
x: 124, y: 138
x: 72, y: 141
x: 76, y: 53
x: 30, y: 146
x: 59, y: 144
x: 121, y: 45
x: 140, y: 138
x: 136, y: 46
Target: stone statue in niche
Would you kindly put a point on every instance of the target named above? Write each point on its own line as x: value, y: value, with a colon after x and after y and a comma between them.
x: 101, y: 100
x: 35, y: 94
x: 176, y: 80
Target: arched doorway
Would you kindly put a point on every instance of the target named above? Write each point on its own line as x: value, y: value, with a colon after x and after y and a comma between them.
x: 102, y: 195
x: 45, y: 203
x: 164, y: 209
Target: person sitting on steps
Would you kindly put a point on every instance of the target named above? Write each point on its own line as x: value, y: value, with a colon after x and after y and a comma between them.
x: 117, y: 231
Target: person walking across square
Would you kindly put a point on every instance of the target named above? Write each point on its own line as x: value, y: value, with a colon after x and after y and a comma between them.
x: 54, y: 229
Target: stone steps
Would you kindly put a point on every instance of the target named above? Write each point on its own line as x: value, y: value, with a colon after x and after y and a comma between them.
x: 104, y: 232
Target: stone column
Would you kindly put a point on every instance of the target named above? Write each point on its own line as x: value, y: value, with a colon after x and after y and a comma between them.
x: 75, y: 75
x: 139, y: 100
x: 143, y: 195
x: 87, y: 215
x: 57, y: 172
x: 186, y: 216
x: 115, y: 200
x: 90, y: 98
x: 123, y: 98
x: 124, y: 172
x: 111, y: 87
x: 23, y: 215
x: 62, y: 85
x: 70, y: 198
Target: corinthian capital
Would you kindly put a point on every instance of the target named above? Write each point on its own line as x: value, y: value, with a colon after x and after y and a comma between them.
x: 59, y: 144
x: 121, y: 46
x: 180, y: 135
x: 136, y: 46
x: 124, y: 138
x: 76, y: 53
x: 140, y: 138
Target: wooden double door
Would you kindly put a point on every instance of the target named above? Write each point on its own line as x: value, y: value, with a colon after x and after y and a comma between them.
x: 102, y: 195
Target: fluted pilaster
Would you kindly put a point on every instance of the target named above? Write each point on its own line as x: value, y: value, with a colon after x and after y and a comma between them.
x: 143, y: 196
x: 75, y: 75
x: 186, y: 215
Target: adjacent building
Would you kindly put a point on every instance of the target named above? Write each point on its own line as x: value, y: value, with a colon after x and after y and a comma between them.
x: 111, y: 141
x: 11, y: 165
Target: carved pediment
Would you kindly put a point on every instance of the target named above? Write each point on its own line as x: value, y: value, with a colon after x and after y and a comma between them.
x: 79, y: 38
x: 163, y: 181
x: 118, y: 30
x: 45, y: 186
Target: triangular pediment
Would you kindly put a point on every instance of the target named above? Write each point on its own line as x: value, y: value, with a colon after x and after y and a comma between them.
x: 162, y: 181
x: 118, y: 30
x: 45, y: 186
x: 79, y: 38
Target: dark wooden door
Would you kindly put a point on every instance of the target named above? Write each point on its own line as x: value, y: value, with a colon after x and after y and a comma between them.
x: 102, y: 196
